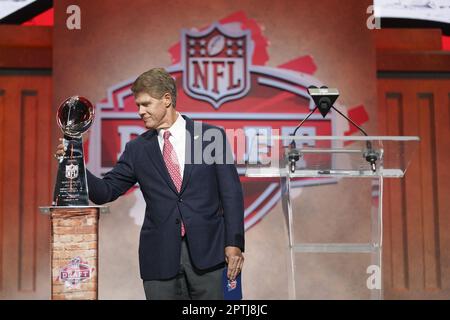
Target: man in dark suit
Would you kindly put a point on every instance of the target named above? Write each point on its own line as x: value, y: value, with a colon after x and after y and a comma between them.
x: 193, y: 226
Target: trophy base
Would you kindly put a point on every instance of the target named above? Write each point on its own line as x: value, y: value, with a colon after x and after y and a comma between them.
x: 47, y: 209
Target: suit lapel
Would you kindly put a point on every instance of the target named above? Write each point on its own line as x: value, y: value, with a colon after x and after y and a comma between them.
x: 189, y: 151
x: 154, y: 153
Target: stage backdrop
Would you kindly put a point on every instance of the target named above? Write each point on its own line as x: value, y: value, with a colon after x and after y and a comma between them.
x: 241, y: 65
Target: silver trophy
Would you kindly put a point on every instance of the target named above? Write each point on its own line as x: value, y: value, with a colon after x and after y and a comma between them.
x: 74, y: 117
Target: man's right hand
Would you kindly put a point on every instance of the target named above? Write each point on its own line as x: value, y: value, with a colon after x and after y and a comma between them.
x: 60, y: 150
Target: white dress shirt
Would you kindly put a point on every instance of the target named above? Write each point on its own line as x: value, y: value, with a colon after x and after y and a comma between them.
x: 177, y: 139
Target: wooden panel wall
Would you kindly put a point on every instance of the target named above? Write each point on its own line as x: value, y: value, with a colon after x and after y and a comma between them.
x: 25, y: 183
x: 417, y: 208
x: 2, y: 152
x: 26, y: 165
x: 25, y: 47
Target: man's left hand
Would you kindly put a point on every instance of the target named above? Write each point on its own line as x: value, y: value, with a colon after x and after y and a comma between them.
x: 235, y: 261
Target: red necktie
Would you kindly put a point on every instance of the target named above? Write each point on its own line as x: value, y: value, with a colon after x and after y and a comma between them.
x: 171, y: 160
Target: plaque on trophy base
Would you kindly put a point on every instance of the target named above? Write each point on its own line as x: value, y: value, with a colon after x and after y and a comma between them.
x: 71, y: 187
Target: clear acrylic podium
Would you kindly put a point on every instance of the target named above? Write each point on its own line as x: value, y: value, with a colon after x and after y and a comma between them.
x: 332, y: 201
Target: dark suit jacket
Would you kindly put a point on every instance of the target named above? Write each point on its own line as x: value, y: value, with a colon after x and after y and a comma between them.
x: 210, y: 201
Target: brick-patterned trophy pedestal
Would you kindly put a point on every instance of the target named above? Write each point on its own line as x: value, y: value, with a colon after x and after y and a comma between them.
x: 74, y: 252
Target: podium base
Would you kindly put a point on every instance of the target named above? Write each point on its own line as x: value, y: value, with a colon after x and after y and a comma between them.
x: 74, y: 251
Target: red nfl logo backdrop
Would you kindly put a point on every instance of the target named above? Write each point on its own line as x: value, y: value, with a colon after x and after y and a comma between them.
x: 222, y: 78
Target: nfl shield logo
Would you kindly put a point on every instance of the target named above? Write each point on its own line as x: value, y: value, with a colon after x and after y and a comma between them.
x: 71, y: 171
x: 231, y: 285
x: 216, y: 63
